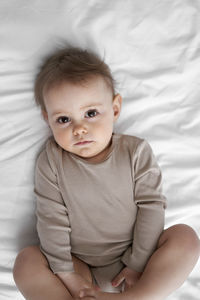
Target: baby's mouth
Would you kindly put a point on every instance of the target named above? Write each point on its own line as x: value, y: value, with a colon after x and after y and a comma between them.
x: 83, y: 143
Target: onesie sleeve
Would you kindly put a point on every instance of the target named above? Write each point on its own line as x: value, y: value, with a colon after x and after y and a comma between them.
x: 151, y: 206
x: 52, y: 217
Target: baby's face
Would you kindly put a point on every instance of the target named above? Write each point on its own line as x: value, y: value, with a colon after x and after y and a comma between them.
x: 82, y: 117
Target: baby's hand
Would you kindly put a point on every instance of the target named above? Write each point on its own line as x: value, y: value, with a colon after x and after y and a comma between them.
x: 130, y: 276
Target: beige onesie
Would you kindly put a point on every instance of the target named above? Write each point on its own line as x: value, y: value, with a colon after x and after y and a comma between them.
x: 109, y: 214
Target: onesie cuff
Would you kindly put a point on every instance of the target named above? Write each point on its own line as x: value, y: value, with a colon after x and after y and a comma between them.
x: 131, y: 262
x: 66, y: 268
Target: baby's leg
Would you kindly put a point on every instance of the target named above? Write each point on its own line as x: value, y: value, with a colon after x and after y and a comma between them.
x: 36, y: 281
x: 169, y: 266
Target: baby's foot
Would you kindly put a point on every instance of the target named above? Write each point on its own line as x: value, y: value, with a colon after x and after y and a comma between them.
x: 89, y: 293
x: 85, y: 292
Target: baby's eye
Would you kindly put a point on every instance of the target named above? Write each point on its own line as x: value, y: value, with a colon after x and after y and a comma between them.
x: 63, y: 119
x: 91, y: 113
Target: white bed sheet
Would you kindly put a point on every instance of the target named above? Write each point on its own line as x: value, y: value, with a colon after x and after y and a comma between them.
x: 153, y: 49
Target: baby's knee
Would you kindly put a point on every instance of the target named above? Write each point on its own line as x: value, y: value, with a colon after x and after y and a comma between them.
x: 23, y: 262
x: 193, y: 241
x: 20, y: 262
x: 186, y: 239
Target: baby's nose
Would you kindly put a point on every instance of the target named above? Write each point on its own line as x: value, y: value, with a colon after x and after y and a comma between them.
x: 79, y: 129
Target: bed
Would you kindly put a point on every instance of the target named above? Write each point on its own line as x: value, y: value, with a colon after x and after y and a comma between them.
x: 153, y: 49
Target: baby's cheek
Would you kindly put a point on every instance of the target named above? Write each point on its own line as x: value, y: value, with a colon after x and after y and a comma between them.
x: 61, y: 138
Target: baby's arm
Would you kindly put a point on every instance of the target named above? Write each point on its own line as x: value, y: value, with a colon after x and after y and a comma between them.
x: 53, y: 224
x: 150, y: 202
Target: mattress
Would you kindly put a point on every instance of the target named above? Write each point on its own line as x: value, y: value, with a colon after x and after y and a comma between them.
x: 153, y: 50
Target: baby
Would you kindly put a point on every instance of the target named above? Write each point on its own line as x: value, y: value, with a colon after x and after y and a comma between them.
x: 100, y: 208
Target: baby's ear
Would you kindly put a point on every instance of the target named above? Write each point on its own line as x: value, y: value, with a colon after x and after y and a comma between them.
x: 117, y: 103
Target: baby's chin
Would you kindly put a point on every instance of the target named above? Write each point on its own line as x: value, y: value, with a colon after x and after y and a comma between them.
x: 92, y: 157
x: 89, y: 156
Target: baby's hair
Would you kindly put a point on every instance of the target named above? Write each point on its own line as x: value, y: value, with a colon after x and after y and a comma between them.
x: 70, y: 65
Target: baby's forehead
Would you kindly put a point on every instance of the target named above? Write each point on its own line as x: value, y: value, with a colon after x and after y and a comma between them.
x: 94, y: 83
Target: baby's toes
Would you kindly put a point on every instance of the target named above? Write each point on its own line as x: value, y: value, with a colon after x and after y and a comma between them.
x: 86, y: 292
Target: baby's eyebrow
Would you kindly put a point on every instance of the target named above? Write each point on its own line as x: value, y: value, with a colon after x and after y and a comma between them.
x: 92, y: 104
x: 57, y: 113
